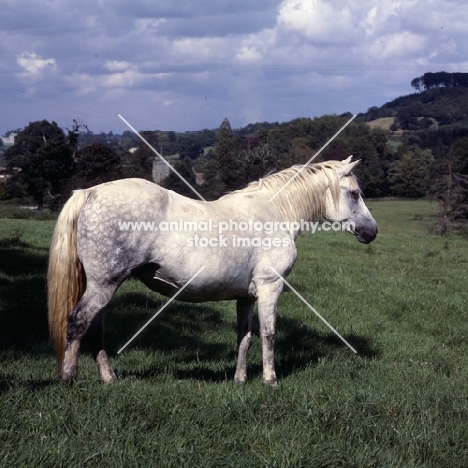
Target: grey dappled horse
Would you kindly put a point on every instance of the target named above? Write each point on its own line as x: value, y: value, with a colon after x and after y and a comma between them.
x: 91, y: 253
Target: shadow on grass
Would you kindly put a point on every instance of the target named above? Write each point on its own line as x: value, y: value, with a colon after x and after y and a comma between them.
x: 23, y: 316
x: 199, y: 342
x: 30, y: 385
x: 184, y: 333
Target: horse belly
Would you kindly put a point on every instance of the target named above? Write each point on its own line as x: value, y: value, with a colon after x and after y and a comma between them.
x: 202, y: 289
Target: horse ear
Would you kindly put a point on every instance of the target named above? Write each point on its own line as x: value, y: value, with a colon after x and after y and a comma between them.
x: 347, y: 160
x: 347, y: 167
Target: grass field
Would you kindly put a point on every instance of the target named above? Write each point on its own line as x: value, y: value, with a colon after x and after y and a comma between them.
x: 401, y: 402
x: 384, y: 123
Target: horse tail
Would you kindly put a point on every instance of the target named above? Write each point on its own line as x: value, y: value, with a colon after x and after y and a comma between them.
x: 66, y: 278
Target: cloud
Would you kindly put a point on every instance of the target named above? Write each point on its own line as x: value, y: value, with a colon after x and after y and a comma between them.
x: 122, y: 76
x: 35, y: 66
x: 267, y: 60
x: 397, y: 45
x: 118, y: 66
x: 248, y: 54
x: 316, y: 20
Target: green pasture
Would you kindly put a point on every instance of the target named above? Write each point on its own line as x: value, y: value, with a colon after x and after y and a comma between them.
x: 402, y: 401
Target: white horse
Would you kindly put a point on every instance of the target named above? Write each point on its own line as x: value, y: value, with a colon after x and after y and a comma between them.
x: 237, y: 247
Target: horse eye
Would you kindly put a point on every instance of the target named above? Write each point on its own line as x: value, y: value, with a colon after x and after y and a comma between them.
x: 355, y: 194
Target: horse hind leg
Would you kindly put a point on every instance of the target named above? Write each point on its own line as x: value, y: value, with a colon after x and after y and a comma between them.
x: 95, y: 338
x: 88, y: 316
x: 244, y: 337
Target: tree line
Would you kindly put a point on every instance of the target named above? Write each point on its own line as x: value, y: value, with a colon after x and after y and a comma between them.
x: 432, y: 80
x: 240, y: 157
x: 47, y: 163
x: 412, y: 170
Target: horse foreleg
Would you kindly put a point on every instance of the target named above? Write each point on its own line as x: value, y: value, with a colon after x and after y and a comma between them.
x: 268, y: 296
x: 95, y: 338
x: 244, y: 337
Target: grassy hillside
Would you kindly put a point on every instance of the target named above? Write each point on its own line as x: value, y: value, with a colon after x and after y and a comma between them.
x: 437, y: 109
x: 383, y: 123
x: 448, y: 103
x: 402, y: 401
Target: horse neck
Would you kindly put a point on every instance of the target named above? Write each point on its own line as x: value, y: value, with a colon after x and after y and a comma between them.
x: 304, y: 199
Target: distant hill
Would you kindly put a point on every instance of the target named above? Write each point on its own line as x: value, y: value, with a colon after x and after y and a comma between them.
x: 435, y: 108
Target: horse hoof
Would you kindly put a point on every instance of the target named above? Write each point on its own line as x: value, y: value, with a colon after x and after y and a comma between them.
x: 109, y: 378
x: 240, y: 382
x: 270, y: 383
x: 68, y: 375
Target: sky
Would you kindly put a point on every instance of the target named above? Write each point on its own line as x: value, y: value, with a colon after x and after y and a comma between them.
x: 187, y: 65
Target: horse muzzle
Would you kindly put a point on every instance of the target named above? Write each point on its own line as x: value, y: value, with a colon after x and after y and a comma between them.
x: 366, y: 233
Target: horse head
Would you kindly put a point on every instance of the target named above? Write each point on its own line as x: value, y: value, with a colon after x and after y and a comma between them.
x: 349, y: 207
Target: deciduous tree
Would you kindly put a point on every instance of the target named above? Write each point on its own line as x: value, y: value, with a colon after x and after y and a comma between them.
x: 450, y: 185
x: 42, y: 159
x: 231, y: 167
x: 409, y: 176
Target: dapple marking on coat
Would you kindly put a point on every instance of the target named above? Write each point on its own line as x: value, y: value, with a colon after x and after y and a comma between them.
x: 90, y: 257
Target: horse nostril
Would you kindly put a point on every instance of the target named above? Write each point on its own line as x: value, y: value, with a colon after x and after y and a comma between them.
x: 366, y: 237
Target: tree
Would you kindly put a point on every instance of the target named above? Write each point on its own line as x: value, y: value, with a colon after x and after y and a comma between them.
x: 450, y: 185
x: 231, y: 168
x: 139, y: 162
x: 212, y: 187
x: 97, y: 163
x: 409, y: 176
x: 3, y: 192
x: 416, y: 83
x: 41, y: 159
x: 370, y: 146
x: 440, y: 79
x: 175, y: 183
x: 94, y: 164
x: 262, y: 160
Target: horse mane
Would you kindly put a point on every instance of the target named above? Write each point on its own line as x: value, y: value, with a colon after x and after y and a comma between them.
x: 303, y: 197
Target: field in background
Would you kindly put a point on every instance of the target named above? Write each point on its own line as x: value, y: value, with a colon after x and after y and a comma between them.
x: 402, y: 401
x: 384, y: 123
